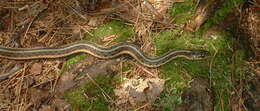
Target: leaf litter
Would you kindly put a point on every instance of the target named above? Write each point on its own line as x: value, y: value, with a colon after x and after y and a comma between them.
x: 136, y: 92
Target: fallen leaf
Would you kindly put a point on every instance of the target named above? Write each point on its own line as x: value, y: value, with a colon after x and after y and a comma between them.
x: 37, y: 95
x: 138, y: 91
x: 36, y: 68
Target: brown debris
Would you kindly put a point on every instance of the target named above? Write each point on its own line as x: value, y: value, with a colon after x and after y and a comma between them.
x: 9, y: 74
x: 249, y: 27
x: 136, y: 92
x: 247, y: 95
x: 204, y: 10
x: 45, y: 108
x: 49, y: 23
x: 37, y: 95
x: 61, y: 105
x: 36, y: 68
x: 231, y: 20
x: 252, y: 97
x: 78, y: 75
x: 198, y: 97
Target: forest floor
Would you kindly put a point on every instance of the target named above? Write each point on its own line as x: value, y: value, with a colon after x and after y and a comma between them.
x: 225, y: 81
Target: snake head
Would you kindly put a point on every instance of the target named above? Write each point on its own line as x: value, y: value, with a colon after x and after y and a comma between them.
x: 199, y: 54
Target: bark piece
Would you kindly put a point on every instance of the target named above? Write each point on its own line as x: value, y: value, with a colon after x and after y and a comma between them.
x: 249, y: 27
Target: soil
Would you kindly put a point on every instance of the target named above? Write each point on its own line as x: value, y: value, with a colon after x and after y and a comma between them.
x: 198, y: 97
x: 37, y: 85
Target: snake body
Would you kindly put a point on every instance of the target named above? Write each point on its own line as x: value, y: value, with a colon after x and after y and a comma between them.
x: 100, y: 52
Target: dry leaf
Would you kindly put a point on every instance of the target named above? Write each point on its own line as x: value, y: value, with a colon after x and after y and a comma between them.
x: 36, y: 68
x: 37, y: 95
x: 138, y: 91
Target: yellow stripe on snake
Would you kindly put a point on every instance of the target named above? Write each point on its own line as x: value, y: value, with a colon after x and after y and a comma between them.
x: 100, y: 52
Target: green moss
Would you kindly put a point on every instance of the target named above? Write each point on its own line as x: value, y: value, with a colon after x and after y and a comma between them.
x: 97, y: 101
x: 183, y: 11
x: 170, y: 97
x: 90, y: 97
x: 220, y: 14
x: 72, y: 61
x: 218, y: 68
x: 117, y: 28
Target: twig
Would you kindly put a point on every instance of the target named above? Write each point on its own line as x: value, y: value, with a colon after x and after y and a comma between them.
x: 253, y: 62
x: 254, y: 3
x: 74, y: 10
x: 149, y: 6
x: 211, y: 63
x: 145, y: 70
x: 108, y: 11
x: 10, y: 73
x: 33, y: 19
x: 96, y: 84
x: 143, y: 106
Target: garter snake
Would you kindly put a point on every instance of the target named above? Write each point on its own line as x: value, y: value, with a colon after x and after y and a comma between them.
x: 100, y: 52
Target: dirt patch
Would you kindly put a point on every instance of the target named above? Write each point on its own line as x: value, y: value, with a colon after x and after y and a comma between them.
x: 82, y: 73
x: 252, y: 96
x: 198, y: 97
x: 247, y: 96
